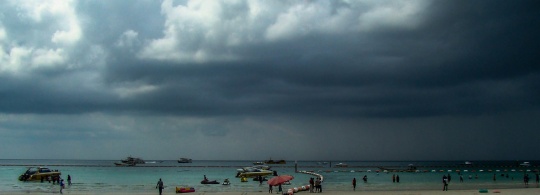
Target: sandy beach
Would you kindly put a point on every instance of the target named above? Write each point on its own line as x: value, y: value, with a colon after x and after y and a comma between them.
x: 520, y: 191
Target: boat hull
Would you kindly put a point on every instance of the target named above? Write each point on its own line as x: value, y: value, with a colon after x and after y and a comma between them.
x: 255, y: 174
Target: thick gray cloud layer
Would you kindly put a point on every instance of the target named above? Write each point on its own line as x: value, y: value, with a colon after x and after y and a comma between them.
x: 360, y: 80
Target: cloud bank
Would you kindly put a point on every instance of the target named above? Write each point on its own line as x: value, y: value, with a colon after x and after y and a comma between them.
x: 393, y: 80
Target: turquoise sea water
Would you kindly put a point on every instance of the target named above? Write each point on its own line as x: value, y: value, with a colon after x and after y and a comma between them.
x: 95, y: 176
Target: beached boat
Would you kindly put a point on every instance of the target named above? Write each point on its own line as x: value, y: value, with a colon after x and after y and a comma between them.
x: 39, y: 173
x: 184, y: 160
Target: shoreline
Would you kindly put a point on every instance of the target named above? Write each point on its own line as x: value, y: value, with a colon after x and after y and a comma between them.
x: 514, y: 191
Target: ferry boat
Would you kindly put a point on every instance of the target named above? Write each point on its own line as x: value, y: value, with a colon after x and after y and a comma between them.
x: 184, y: 160
x: 38, y: 173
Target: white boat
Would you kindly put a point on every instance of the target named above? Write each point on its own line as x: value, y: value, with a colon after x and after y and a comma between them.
x: 525, y: 164
x: 341, y: 165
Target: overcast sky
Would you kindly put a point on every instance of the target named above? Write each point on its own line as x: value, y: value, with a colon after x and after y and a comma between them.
x: 252, y: 80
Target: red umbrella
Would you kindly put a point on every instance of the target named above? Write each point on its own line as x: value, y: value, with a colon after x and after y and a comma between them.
x: 279, y: 179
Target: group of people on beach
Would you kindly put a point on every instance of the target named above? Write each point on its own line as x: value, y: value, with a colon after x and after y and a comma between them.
x: 526, y: 179
x: 59, y: 180
x: 315, y: 185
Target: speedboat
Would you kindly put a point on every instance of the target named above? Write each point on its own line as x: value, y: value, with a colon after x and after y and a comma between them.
x: 184, y: 160
x: 467, y: 163
x: 254, y: 171
x: 38, y: 173
x: 131, y: 160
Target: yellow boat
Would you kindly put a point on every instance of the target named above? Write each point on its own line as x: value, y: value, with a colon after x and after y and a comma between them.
x: 38, y: 173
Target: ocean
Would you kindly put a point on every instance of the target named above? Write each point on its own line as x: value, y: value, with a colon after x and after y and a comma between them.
x: 96, y: 176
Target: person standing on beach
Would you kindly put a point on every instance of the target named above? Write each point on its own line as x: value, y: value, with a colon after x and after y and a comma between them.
x: 311, y: 185
x: 61, y: 185
x: 354, y: 184
x: 69, y: 180
x: 394, y: 178
x: 318, y: 185
x: 270, y: 188
x: 537, y: 178
x: 445, y: 183
x: 159, y: 186
x: 397, y: 178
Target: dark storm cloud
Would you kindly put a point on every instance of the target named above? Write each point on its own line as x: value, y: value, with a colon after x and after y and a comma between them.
x: 454, y: 63
x: 418, y: 74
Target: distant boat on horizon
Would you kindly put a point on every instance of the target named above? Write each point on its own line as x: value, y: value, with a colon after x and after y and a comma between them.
x: 525, y: 164
x: 275, y: 162
x: 130, y: 161
x: 185, y: 160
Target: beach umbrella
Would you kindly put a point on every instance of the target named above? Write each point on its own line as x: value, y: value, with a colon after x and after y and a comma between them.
x: 277, y: 180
